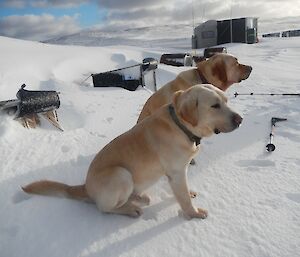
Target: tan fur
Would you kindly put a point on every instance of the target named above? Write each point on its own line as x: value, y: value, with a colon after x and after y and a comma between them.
x: 221, y: 70
x: 121, y: 172
x: 53, y: 188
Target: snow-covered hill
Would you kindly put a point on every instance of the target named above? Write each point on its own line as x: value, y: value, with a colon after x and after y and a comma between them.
x: 160, y: 37
x: 253, y: 197
x: 153, y: 36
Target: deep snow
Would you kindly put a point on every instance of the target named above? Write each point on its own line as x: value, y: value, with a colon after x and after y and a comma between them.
x: 253, y: 197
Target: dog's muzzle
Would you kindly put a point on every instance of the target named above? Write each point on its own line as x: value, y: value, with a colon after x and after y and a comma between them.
x: 236, y: 120
x: 217, y: 131
x: 247, y: 72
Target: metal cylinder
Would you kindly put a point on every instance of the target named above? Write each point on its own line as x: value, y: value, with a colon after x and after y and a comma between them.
x: 36, y: 102
x: 149, y: 64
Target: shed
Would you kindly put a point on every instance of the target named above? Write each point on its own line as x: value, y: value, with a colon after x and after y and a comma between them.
x: 205, y: 35
x: 212, y: 32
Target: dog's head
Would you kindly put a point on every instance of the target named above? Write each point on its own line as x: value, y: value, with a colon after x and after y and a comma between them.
x: 223, y: 70
x: 203, y: 110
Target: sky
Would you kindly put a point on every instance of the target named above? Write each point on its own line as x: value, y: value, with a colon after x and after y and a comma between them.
x: 46, y: 19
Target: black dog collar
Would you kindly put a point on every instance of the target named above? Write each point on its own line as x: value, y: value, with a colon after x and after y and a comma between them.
x: 203, y: 79
x: 193, y: 138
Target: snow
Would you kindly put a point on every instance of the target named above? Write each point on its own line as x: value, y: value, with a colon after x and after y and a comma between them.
x: 252, y: 197
x: 152, y: 36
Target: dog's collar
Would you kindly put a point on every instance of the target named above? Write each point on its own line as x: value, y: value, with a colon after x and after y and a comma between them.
x: 203, y: 79
x: 193, y: 138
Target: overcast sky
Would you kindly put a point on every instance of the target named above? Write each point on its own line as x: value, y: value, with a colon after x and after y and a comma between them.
x: 45, y: 19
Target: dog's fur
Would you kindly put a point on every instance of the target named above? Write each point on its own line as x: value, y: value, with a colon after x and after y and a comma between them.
x: 221, y: 70
x: 156, y: 147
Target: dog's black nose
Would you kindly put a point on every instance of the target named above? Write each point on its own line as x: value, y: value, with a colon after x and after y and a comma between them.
x: 237, y: 120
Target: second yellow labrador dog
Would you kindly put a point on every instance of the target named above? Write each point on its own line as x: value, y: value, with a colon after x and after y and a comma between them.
x: 161, y: 145
x: 221, y: 70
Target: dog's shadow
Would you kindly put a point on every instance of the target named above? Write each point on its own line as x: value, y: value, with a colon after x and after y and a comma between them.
x: 128, y: 234
x: 136, y: 239
x: 37, y: 220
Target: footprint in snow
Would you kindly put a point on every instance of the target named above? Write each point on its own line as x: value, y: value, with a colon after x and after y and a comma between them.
x: 109, y: 120
x: 20, y: 196
x: 290, y: 135
x: 97, y: 134
x: 295, y: 197
x: 65, y: 149
x: 255, y: 163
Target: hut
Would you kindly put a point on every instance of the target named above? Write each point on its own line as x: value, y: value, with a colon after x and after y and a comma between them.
x: 213, y: 32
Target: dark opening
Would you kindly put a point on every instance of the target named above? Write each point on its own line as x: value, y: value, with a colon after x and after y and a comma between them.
x: 223, y: 28
x: 239, y: 30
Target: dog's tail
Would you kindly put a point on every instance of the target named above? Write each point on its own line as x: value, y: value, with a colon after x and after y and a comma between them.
x: 52, y: 188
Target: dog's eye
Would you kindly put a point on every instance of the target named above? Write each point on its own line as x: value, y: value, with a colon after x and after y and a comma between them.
x: 216, y: 106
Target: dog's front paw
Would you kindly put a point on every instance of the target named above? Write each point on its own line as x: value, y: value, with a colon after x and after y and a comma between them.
x: 202, y: 214
x: 198, y: 213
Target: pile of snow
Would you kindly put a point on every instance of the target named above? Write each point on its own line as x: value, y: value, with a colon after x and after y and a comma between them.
x: 252, y: 197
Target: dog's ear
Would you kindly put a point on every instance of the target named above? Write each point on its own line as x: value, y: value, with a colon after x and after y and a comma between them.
x: 219, y: 70
x: 187, y: 109
x: 176, y: 97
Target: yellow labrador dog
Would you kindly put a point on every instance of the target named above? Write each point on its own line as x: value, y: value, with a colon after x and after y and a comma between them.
x: 221, y: 70
x: 161, y: 145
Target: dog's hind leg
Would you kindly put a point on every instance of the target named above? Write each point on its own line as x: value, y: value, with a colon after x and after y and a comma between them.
x: 129, y: 208
x: 112, y: 192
